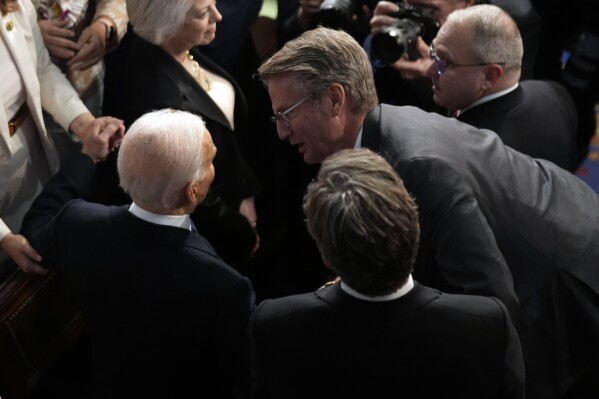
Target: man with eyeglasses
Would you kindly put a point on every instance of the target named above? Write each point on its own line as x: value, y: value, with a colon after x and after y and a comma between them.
x: 477, y: 58
x: 406, y: 81
x: 494, y: 221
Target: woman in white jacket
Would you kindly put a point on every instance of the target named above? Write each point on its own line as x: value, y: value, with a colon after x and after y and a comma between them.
x: 28, y: 158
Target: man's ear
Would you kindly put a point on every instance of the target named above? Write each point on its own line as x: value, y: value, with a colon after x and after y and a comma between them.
x: 326, y: 262
x: 190, y: 192
x: 493, y: 73
x: 336, y: 94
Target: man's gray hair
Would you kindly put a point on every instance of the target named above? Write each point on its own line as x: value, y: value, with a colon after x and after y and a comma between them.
x: 495, y: 35
x: 364, y: 221
x: 157, y: 20
x: 159, y: 156
x: 321, y: 57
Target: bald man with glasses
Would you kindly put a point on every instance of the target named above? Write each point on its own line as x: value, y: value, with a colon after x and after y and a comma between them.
x: 476, y: 68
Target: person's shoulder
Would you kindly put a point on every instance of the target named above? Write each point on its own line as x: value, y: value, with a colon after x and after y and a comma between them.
x: 292, y: 307
x: 473, y: 308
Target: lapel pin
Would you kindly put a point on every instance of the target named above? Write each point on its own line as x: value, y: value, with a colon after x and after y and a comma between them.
x: 9, y: 25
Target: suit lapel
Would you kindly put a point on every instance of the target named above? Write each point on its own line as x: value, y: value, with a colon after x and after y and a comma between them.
x: 499, y: 105
x: 190, y: 89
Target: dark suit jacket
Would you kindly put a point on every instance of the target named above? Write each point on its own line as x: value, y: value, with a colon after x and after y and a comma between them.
x: 538, y: 118
x: 167, y: 315
x: 485, y: 207
x: 141, y: 77
x: 426, y: 344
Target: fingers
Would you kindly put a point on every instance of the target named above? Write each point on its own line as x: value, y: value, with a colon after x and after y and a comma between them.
x: 385, y: 7
x: 423, y: 48
x: 91, y: 48
x: 58, y: 39
x: 104, y: 135
x: 311, y: 6
x: 22, y: 253
x: 32, y: 267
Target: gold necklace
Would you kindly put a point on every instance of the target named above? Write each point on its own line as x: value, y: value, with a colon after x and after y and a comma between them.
x: 198, y: 73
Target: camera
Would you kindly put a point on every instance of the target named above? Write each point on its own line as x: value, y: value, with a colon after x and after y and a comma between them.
x: 338, y: 14
x: 391, y: 43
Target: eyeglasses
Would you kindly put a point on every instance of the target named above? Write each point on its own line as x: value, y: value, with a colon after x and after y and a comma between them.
x: 282, y: 116
x: 441, y: 66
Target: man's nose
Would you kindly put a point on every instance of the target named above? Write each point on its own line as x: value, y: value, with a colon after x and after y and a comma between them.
x: 283, y: 131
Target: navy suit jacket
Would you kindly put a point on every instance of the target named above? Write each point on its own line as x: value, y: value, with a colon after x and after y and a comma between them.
x: 497, y: 222
x: 538, y: 118
x: 426, y: 344
x: 167, y: 316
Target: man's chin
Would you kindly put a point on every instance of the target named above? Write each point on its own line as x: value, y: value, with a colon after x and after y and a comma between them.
x: 311, y: 160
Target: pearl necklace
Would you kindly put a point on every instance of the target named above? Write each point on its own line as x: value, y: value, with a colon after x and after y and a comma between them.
x: 198, y: 73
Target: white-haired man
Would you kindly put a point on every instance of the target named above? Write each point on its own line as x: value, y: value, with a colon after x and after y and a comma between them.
x: 167, y: 315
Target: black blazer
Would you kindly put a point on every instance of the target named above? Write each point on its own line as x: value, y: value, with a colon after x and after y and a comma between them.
x: 497, y: 222
x: 426, y: 344
x: 141, y: 77
x: 167, y: 315
x: 538, y: 118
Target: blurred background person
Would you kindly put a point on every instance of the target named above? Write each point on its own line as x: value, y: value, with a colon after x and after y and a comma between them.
x: 477, y: 57
x: 158, y: 65
x: 28, y: 158
x: 78, y: 34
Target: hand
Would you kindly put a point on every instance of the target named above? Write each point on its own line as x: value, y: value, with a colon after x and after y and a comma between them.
x: 104, y: 135
x: 248, y: 209
x: 91, y: 47
x: 381, y: 18
x: 418, y: 68
x: 80, y: 125
x: 306, y: 11
x: 23, y: 254
x: 58, y: 39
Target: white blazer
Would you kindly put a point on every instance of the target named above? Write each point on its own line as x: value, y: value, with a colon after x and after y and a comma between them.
x: 45, y: 85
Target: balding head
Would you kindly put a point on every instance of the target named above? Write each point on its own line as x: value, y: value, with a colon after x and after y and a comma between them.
x: 160, y: 155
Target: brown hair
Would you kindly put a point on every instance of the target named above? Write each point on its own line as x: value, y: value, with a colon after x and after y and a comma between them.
x: 364, y: 221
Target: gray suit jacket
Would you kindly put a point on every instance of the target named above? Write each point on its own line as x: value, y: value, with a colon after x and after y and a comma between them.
x: 497, y: 222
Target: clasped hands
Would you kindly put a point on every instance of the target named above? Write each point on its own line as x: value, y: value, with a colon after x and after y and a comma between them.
x: 102, y: 136
x: 82, y: 54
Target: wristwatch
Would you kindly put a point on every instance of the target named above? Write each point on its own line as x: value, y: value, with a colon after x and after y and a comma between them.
x: 110, y: 31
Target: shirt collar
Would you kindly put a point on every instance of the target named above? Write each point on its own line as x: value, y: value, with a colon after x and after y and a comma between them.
x: 182, y: 221
x: 383, y: 298
x: 490, y: 97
